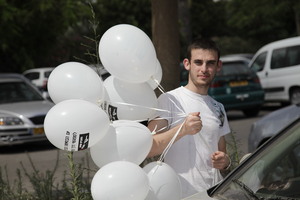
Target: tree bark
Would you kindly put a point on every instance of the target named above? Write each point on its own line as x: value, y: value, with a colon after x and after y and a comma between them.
x: 297, y: 20
x: 165, y: 37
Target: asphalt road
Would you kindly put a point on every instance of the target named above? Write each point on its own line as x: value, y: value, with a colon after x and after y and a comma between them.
x: 44, y: 156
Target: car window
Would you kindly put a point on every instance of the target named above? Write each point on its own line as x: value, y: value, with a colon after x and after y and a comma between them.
x: 17, y: 92
x: 47, y: 74
x: 259, y: 62
x: 285, y: 57
x: 272, y: 174
x: 234, y: 68
x: 32, y: 75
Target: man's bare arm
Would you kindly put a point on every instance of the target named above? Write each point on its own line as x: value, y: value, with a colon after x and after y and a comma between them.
x: 161, y: 139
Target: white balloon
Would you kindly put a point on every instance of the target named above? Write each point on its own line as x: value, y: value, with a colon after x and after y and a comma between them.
x: 164, y: 182
x: 73, y: 80
x: 125, y: 140
x: 75, y: 124
x: 120, y: 180
x: 127, y: 53
x: 155, y: 79
x: 129, y: 101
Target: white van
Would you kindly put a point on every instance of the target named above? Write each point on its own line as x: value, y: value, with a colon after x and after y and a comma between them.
x: 39, y: 76
x: 278, y: 66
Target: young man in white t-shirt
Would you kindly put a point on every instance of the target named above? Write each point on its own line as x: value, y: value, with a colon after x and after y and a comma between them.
x: 199, y: 150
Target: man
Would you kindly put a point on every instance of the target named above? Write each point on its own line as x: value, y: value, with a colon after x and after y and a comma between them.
x: 199, y: 150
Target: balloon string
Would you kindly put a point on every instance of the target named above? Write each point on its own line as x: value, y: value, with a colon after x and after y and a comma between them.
x: 161, y: 89
x: 134, y: 105
x: 214, y: 171
x: 162, y: 156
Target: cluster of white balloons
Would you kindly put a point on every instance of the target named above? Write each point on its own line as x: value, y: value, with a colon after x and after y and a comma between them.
x: 103, y: 116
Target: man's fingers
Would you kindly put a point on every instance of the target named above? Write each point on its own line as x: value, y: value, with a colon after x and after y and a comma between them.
x: 195, y: 114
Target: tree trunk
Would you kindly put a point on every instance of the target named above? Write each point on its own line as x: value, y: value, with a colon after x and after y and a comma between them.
x: 165, y: 37
x: 297, y: 19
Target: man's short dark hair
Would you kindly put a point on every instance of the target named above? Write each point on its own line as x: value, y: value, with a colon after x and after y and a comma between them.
x: 202, y: 43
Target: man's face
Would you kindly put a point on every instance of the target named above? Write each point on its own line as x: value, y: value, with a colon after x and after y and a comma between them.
x: 202, y: 67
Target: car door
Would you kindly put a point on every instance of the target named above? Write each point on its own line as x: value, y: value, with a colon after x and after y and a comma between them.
x: 259, y: 66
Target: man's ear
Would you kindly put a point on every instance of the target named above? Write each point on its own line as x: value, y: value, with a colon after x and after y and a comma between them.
x: 220, y: 64
x: 186, y: 64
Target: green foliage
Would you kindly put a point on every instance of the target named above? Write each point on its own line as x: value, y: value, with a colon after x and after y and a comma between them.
x: 74, y: 186
x: 234, y: 150
x: 244, y: 25
x: 50, y: 32
x: 208, y: 18
x: 263, y: 20
x: 134, y: 12
x: 42, y: 183
x: 30, y: 30
x: 79, y: 186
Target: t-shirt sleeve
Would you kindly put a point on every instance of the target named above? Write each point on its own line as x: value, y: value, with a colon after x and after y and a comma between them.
x: 164, y: 107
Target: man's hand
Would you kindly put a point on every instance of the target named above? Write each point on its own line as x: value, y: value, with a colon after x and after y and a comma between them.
x: 192, y: 125
x: 220, y: 160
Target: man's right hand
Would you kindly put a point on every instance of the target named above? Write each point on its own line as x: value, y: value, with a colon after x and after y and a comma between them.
x: 192, y: 124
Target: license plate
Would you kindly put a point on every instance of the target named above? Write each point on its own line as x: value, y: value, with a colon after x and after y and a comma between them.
x: 238, y: 83
x: 38, y: 131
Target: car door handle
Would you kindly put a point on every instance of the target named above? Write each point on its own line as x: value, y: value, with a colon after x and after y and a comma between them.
x: 266, y: 74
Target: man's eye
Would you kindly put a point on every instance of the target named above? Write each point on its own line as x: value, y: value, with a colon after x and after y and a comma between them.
x: 211, y: 62
x: 198, y: 62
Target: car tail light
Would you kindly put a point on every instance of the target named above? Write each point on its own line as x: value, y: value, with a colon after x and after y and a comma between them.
x: 216, y: 84
x: 256, y: 79
x: 45, y: 84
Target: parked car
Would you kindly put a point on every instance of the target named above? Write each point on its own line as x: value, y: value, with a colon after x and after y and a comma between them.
x: 278, y: 66
x: 271, y: 124
x: 236, y: 86
x: 39, y: 76
x: 271, y: 172
x: 22, y: 111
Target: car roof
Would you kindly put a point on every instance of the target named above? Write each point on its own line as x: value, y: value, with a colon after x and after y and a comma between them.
x: 281, y: 43
x: 245, y: 55
x: 4, y: 77
x: 39, y: 69
x: 234, y: 58
x: 9, y: 79
x: 12, y: 75
x: 279, y: 118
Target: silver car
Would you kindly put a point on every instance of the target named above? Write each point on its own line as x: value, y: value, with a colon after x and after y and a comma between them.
x: 22, y: 111
x: 271, y: 172
x: 271, y: 124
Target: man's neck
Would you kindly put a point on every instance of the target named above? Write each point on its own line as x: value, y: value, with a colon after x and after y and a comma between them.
x: 203, y: 90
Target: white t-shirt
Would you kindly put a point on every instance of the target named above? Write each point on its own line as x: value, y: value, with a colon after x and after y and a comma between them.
x: 190, y: 156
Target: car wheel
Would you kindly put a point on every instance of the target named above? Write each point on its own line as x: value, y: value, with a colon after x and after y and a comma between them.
x: 253, y: 112
x: 295, y: 96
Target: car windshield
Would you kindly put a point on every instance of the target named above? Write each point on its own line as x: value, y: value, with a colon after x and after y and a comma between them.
x: 234, y: 68
x: 274, y: 173
x: 17, y: 91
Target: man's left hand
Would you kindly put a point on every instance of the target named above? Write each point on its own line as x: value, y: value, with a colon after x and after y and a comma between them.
x: 220, y: 160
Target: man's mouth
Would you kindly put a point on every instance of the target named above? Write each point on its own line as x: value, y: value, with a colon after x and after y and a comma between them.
x: 203, y: 76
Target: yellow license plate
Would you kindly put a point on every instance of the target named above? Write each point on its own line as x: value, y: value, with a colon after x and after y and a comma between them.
x: 238, y: 83
x: 38, y: 131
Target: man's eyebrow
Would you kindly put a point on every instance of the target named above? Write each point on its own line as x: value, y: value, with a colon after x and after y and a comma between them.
x: 198, y: 60
x: 208, y: 61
